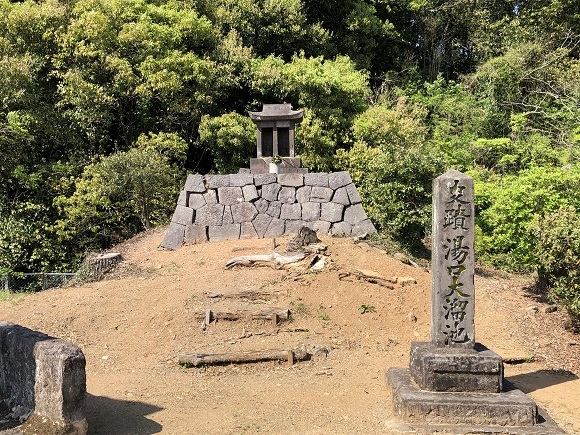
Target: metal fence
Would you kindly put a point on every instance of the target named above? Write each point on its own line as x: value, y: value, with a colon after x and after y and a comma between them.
x: 33, y: 282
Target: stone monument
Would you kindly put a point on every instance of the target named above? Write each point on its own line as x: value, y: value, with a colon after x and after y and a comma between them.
x: 453, y: 381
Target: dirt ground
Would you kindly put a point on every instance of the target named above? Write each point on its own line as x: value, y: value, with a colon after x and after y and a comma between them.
x: 133, y: 325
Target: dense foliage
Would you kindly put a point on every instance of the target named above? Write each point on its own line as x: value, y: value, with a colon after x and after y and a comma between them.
x: 558, y: 250
x: 106, y: 105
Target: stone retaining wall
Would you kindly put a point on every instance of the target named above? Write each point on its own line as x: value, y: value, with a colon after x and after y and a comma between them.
x: 44, y: 377
x: 238, y: 206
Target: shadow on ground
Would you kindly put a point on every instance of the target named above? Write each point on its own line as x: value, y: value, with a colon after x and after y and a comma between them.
x: 528, y: 382
x: 120, y: 417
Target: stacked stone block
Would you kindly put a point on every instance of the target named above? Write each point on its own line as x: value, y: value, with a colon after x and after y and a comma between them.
x: 45, y: 377
x: 234, y: 206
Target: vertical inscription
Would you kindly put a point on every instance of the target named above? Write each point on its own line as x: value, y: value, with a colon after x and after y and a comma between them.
x: 453, y: 290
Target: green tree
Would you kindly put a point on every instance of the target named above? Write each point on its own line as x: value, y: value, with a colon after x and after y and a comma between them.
x: 365, y: 31
x: 534, y: 87
x: 132, y: 66
x: 393, y: 169
x: 558, y: 256
x: 279, y: 28
x: 552, y: 20
x: 455, y: 117
x: 231, y: 138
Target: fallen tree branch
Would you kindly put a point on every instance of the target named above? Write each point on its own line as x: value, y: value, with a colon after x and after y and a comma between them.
x: 369, y: 276
x: 245, y: 335
x: 250, y: 260
x: 242, y: 294
x: 265, y: 333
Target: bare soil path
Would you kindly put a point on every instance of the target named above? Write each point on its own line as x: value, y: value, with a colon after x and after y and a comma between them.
x: 133, y: 325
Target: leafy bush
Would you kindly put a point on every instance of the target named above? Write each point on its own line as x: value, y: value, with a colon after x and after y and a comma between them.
x: 507, y: 207
x: 393, y: 171
x: 315, y: 145
x: 504, y: 155
x: 558, y: 256
x: 118, y: 196
x: 455, y: 117
x: 382, y: 126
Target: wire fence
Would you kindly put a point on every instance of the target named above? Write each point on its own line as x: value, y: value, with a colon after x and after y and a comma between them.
x: 34, y: 282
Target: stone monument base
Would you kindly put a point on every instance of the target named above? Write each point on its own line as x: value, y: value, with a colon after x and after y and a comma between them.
x: 508, y: 408
x: 546, y: 426
x: 477, y: 370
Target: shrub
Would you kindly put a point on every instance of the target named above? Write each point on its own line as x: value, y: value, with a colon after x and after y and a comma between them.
x: 507, y: 207
x: 118, y: 196
x: 558, y: 256
x: 504, y: 155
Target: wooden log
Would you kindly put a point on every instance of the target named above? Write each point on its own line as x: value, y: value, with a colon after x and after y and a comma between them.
x: 227, y: 315
x: 291, y: 359
x: 198, y: 359
x: 281, y: 314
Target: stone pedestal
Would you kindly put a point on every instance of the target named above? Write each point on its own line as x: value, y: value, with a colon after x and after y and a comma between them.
x: 412, y: 404
x: 457, y: 386
x: 477, y: 370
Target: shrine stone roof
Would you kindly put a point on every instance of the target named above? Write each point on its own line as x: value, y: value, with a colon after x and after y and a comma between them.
x: 277, y: 112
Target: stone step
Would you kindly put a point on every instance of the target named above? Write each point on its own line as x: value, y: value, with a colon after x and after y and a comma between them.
x: 510, y: 407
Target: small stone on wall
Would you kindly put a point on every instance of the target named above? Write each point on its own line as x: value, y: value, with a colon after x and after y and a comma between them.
x: 341, y: 196
x: 270, y: 191
x: 338, y: 179
x: 275, y: 229
x: 291, y: 179
x: 174, y: 236
x: 230, y: 195
x: 310, y: 211
x: 183, y: 215
x: 224, y: 232
x: 287, y: 195
x: 194, y: 183
x: 195, y: 234
x: 211, y: 214
x: 316, y: 179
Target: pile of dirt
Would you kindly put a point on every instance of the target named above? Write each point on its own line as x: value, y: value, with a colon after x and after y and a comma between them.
x: 352, y: 299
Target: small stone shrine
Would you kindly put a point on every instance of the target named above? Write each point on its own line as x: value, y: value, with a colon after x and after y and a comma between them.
x: 454, y: 384
x: 264, y: 201
x: 275, y: 139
